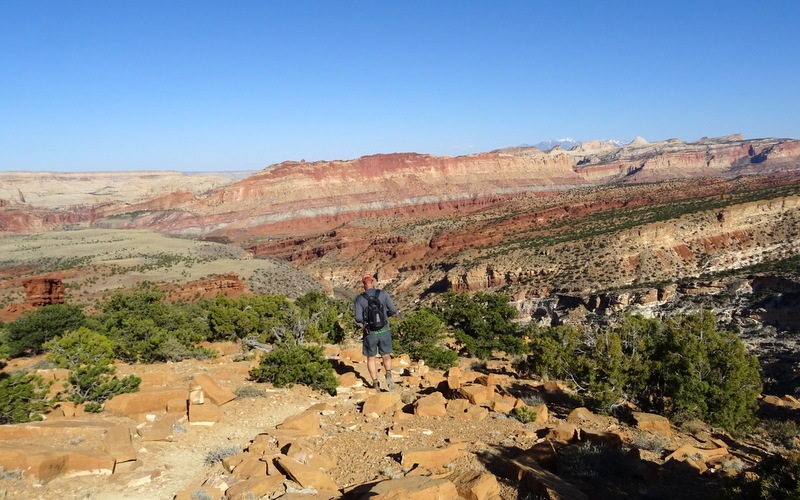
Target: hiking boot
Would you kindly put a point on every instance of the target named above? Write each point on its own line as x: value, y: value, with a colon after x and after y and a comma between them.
x: 374, y: 385
x: 390, y: 385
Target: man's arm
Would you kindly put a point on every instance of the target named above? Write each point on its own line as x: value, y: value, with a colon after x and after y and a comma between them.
x: 359, y: 312
x: 391, y: 310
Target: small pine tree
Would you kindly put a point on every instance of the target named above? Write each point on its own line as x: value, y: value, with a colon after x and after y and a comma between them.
x: 421, y: 336
x: 685, y: 368
x: 481, y: 323
x: 89, y: 356
x: 23, y: 398
x: 289, y: 363
x: 30, y: 331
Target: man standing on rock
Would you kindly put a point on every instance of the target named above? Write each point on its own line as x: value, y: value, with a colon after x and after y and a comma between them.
x: 373, y: 308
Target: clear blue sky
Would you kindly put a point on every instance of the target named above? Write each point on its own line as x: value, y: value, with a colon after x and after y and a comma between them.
x: 238, y: 85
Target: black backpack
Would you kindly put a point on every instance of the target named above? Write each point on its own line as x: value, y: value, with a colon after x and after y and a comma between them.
x: 374, y: 317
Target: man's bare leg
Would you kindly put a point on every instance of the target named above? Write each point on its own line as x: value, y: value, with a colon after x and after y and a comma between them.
x: 373, y: 370
x: 387, y: 365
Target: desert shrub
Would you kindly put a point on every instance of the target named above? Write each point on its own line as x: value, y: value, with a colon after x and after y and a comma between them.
x: 249, y: 391
x: 523, y: 414
x: 30, y: 331
x: 532, y: 399
x: 776, y: 477
x: 201, y: 495
x: 684, y: 367
x: 217, y: 454
x: 421, y: 336
x: 781, y: 432
x: 89, y: 357
x: 170, y: 348
x: 23, y: 398
x: 289, y: 363
x: 589, y: 462
x: 13, y: 475
x: 651, y: 441
x: 693, y: 426
x: 481, y: 323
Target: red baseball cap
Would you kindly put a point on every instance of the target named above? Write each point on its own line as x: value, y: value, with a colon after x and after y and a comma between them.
x: 367, y: 277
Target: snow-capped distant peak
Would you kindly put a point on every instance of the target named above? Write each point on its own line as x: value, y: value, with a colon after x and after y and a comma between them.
x: 566, y: 143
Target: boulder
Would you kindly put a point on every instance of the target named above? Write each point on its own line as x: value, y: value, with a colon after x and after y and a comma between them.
x: 256, y: 487
x: 689, y: 451
x: 503, y: 404
x: 463, y: 409
x: 219, y: 395
x: 397, y: 432
x: 608, y: 439
x: 250, y: 467
x: 353, y: 354
x: 306, y: 423
x: 566, y: 433
x: 651, y: 422
x: 476, y: 393
x: 407, y: 488
x: 305, y: 475
x: 544, y: 484
x: 433, y: 458
x: 160, y: 430
x: 305, y: 454
x: 117, y: 443
x: 476, y: 485
x: 154, y: 400
x: 378, y: 404
x: 77, y: 428
x: 453, y: 378
x: 432, y: 405
x: 205, y: 414
x: 231, y: 461
x: 45, y: 464
x: 177, y: 405
x: 581, y: 415
x: 348, y: 379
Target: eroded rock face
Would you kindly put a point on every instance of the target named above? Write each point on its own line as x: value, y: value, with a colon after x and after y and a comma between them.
x: 229, y: 285
x: 297, y: 197
x: 60, y: 191
x: 43, y: 291
x: 38, y: 292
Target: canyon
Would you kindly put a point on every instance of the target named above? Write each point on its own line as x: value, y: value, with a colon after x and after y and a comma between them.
x: 525, y: 222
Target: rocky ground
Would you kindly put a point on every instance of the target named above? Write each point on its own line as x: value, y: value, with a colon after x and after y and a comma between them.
x: 436, y: 434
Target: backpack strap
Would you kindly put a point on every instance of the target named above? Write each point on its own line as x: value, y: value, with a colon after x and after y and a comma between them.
x: 377, y: 294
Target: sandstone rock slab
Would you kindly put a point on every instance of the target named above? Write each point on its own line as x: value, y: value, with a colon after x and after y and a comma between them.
x: 154, y: 400
x: 213, y: 391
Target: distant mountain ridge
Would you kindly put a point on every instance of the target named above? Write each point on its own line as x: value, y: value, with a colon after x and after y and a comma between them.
x: 296, y: 197
x: 568, y: 143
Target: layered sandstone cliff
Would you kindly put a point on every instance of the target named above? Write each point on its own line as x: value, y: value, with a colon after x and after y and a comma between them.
x: 298, y: 197
x: 58, y: 191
